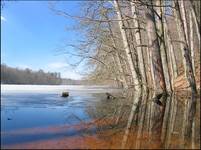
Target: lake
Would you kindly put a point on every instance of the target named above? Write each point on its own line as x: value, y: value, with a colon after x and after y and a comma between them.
x: 36, y: 116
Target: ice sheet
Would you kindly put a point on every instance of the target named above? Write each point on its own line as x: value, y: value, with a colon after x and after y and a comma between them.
x: 5, y: 88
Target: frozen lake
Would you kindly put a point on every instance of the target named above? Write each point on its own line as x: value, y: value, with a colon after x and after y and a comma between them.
x: 28, y: 109
x: 55, y: 89
x: 36, y: 116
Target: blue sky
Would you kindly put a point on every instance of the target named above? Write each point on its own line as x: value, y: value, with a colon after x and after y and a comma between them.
x: 31, y: 33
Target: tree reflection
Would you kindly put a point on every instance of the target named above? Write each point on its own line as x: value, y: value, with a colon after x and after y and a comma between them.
x: 136, y: 99
x: 140, y: 122
x: 189, y: 125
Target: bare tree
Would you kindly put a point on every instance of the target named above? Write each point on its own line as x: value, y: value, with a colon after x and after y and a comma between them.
x: 154, y: 48
x: 126, y: 46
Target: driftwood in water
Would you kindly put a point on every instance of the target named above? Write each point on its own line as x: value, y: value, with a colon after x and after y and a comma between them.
x: 65, y: 94
x: 110, y: 96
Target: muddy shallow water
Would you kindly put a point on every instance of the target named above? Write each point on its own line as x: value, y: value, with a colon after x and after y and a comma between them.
x: 89, y: 120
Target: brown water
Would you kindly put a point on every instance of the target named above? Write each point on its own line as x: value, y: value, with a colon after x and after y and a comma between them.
x: 92, y: 121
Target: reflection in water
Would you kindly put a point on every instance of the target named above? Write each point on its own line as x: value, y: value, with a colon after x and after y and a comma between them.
x: 139, y: 122
x: 145, y: 123
x: 136, y: 99
x: 189, y: 125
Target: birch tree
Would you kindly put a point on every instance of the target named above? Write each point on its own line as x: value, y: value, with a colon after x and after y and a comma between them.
x: 126, y: 47
x: 185, y: 47
x: 154, y: 48
x: 160, y: 28
x: 138, y: 38
x: 191, y: 42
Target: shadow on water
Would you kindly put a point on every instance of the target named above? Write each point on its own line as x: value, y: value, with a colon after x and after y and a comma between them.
x: 137, y: 121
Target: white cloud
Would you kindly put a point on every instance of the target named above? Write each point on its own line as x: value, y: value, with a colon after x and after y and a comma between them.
x: 3, y: 19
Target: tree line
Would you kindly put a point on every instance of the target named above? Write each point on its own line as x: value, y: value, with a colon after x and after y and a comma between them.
x: 140, y: 44
x: 11, y: 75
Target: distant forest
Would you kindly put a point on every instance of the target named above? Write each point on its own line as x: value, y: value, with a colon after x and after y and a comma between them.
x: 11, y: 75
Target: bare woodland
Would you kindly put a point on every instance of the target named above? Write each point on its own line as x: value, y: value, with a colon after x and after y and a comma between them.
x: 141, y: 44
x: 150, y: 49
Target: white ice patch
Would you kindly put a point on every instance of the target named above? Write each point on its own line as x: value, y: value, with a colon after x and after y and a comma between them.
x: 5, y: 88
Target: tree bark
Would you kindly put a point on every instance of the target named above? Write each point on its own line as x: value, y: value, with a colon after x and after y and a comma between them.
x: 191, y: 42
x: 196, y: 25
x: 139, y: 42
x: 117, y: 56
x: 180, y: 36
x: 171, y: 51
x: 162, y: 42
x: 196, y: 14
x: 186, y: 52
x: 184, y: 20
x: 127, y: 48
x: 154, y: 47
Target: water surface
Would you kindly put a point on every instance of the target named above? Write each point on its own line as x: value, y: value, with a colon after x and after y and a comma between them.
x: 32, y: 118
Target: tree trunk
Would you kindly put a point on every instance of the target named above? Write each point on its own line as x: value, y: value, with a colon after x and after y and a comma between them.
x: 117, y: 56
x: 171, y: 50
x: 117, y: 76
x: 126, y: 46
x: 162, y: 42
x: 152, y: 68
x: 184, y: 20
x: 196, y: 13
x: 139, y: 42
x: 186, y: 52
x: 180, y: 36
x: 196, y: 25
x: 154, y: 48
x: 191, y: 42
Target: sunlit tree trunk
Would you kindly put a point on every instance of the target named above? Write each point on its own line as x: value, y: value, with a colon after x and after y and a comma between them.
x: 151, y: 68
x: 117, y: 73
x: 195, y: 8
x: 184, y: 20
x: 171, y: 51
x: 162, y: 42
x: 191, y: 42
x: 126, y: 46
x: 154, y: 48
x: 180, y: 37
x: 197, y: 27
x: 133, y: 48
x: 121, y: 71
x: 117, y: 56
x: 147, y: 54
x: 139, y: 48
x: 185, y: 49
